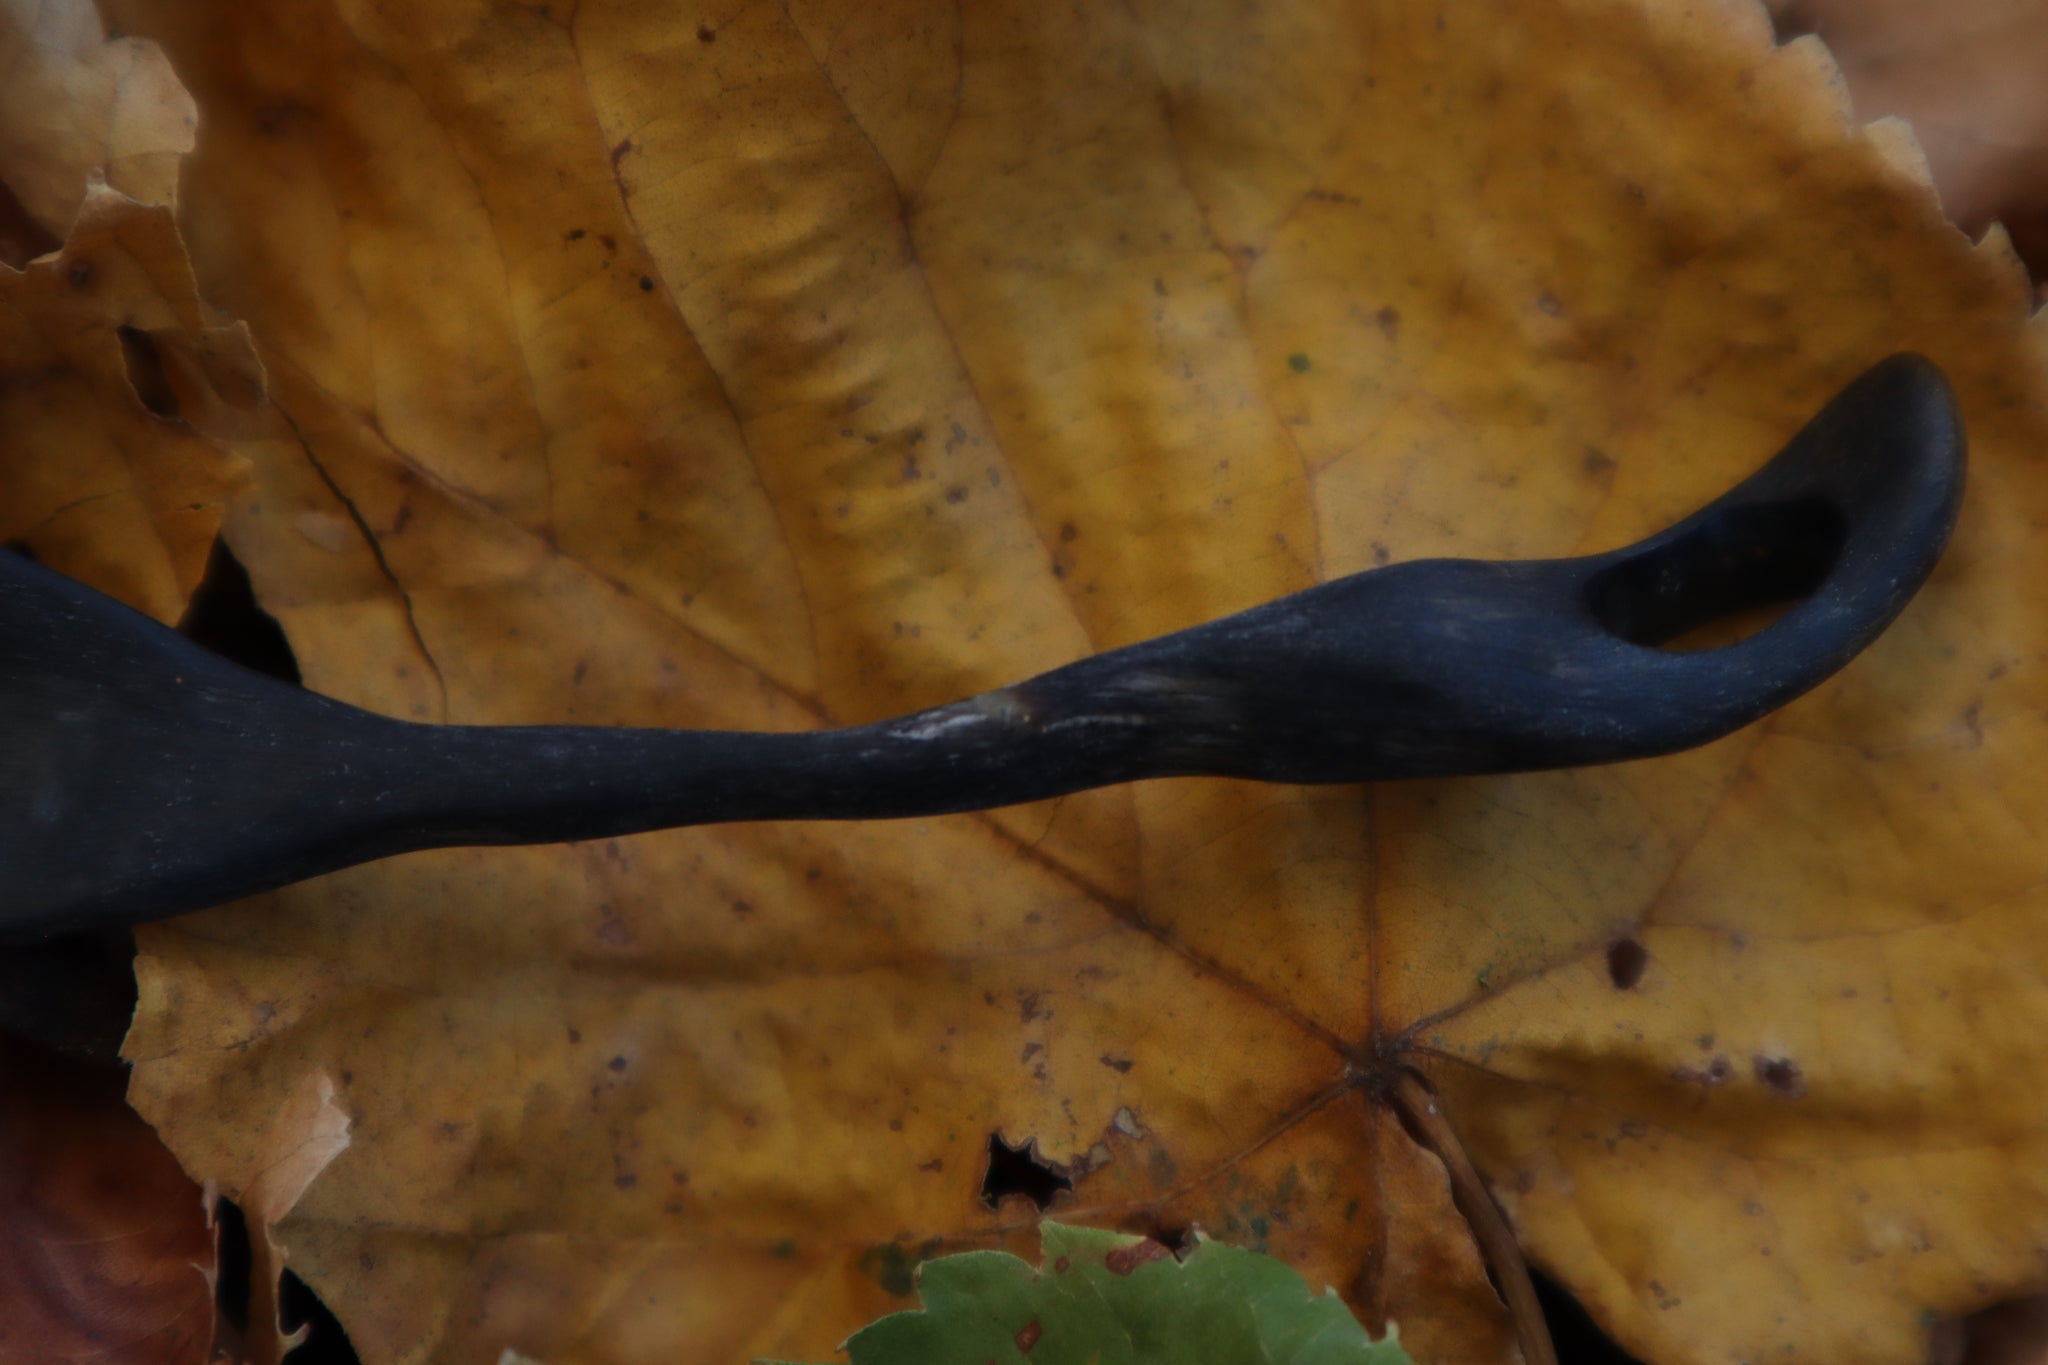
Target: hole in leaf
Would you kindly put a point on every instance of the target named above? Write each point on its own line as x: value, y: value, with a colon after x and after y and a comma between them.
x: 225, y: 617
x: 146, y: 372
x: 1177, y: 1238
x: 1572, y: 1330
x: 1020, y: 1170
x: 1626, y: 960
x: 233, y: 1265
x: 1719, y: 576
x: 325, y: 1343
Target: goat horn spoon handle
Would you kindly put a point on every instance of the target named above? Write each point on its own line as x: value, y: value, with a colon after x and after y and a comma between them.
x: 142, y: 776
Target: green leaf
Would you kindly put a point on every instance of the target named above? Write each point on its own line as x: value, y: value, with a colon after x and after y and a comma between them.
x: 1110, y: 1298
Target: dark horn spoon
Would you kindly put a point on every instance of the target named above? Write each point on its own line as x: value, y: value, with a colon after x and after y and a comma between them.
x: 142, y: 776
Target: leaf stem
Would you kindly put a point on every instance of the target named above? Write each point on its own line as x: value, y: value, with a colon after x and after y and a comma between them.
x: 1417, y: 1103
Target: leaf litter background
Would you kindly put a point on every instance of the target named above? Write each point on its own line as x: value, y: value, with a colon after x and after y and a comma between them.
x: 775, y: 366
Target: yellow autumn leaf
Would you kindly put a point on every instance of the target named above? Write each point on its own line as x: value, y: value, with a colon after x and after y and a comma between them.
x: 110, y: 376
x: 113, y: 374
x: 776, y: 367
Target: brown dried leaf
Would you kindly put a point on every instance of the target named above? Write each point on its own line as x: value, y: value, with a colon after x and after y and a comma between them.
x: 105, y: 1254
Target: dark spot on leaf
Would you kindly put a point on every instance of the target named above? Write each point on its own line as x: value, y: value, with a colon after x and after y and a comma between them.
x: 646, y: 285
x: 706, y: 34
x: 1717, y: 1072
x: 1389, y: 319
x: 80, y: 274
x: 1061, y: 1264
x: 1124, y: 1260
x: 274, y: 120
x: 1298, y: 363
x: 625, y: 1182
x: 1626, y: 960
x: 894, y: 1267
x: 617, y: 1063
x: 1028, y: 1335
x: 1020, y: 1170
x: 1783, y: 1075
x: 1118, y: 1064
x: 575, y: 234
x: 1597, y: 463
x: 1069, y: 533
